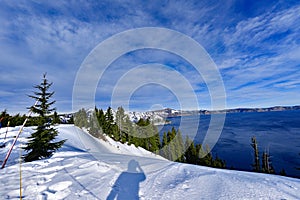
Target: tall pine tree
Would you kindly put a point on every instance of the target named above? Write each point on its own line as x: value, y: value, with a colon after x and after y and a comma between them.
x: 56, y: 119
x: 40, y: 144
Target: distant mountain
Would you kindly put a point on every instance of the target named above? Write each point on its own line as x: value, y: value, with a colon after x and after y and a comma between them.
x: 168, y: 112
x: 243, y: 110
x: 157, y: 117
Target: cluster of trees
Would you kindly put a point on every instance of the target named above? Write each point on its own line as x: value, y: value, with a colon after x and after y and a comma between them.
x: 265, y: 166
x: 195, y: 154
x: 17, y: 120
x: 173, y: 147
x: 145, y: 134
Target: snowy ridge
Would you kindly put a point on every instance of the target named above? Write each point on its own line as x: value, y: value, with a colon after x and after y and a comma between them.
x: 158, y: 118
x: 87, y: 168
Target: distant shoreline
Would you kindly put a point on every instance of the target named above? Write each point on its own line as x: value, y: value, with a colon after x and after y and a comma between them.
x: 168, y: 112
x: 243, y: 110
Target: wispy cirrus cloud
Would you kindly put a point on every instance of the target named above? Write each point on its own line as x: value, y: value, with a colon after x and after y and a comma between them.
x: 263, y: 52
x: 256, y: 47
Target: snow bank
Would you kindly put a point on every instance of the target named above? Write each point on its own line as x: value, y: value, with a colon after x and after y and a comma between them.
x: 87, y: 168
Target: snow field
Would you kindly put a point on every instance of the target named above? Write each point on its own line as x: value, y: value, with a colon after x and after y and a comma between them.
x: 87, y: 168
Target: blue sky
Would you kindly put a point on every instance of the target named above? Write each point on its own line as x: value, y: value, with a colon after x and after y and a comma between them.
x: 255, y: 45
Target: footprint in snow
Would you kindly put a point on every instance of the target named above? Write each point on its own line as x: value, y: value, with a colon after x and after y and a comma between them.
x: 58, y: 191
x: 59, y: 186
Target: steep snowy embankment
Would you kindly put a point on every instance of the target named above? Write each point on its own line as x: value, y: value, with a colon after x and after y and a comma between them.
x: 86, y: 168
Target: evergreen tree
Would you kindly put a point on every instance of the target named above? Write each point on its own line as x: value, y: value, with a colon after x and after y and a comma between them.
x: 109, y: 127
x: 4, y: 118
x: 266, y: 164
x: 101, y: 117
x: 171, y: 144
x: 109, y: 116
x: 200, y: 152
x: 155, y: 143
x: 142, y: 133
x: 256, y: 165
x: 208, y: 159
x: 194, y: 155
x: 41, y: 143
x: 81, y: 119
x: 282, y: 172
x: 191, y: 152
x: 218, y: 163
x: 93, y: 126
x: 130, y: 131
x: 164, y: 140
x: 122, y: 125
x: 147, y: 135
x: 180, y: 147
x: 56, y: 119
x: 163, y: 151
x: 152, y: 137
x: 177, y: 145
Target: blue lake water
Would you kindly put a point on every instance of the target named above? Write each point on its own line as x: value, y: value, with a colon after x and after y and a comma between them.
x: 278, y: 132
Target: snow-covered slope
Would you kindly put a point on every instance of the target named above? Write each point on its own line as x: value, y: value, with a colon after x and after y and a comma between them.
x: 86, y: 168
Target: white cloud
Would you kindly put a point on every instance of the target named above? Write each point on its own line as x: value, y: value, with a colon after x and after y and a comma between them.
x: 253, y: 31
x: 255, y: 55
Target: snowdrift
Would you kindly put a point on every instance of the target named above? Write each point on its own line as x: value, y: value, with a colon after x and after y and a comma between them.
x: 87, y: 168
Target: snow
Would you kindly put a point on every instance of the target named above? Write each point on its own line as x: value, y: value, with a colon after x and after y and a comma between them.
x: 157, y: 117
x: 88, y: 168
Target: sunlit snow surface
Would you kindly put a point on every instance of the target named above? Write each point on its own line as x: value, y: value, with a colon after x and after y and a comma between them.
x: 87, y: 168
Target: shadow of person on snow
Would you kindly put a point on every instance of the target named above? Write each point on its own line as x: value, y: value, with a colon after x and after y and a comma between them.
x: 127, y: 184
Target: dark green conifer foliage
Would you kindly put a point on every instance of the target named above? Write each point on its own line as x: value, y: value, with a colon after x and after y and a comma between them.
x: 191, y: 152
x: 171, y: 144
x: 93, y: 126
x: 5, y: 118
x: 155, y: 143
x: 41, y: 143
x: 282, y: 172
x: 56, y: 119
x: 129, y: 129
x: 100, y: 116
x: 179, y: 147
x: 109, y: 127
x: 164, y: 140
x: 81, y: 119
x: 122, y: 123
x: 143, y: 131
x: 163, y: 151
